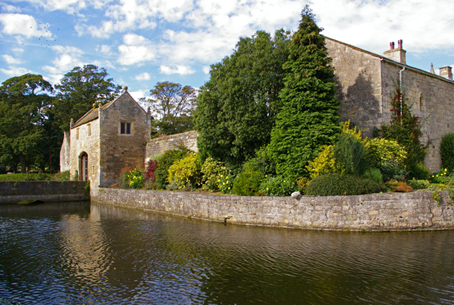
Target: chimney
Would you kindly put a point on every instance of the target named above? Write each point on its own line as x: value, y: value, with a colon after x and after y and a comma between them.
x: 446, y: 72
x: 397, y: 54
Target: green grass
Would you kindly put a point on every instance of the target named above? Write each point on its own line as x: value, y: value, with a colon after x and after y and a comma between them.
x: 27, y: 177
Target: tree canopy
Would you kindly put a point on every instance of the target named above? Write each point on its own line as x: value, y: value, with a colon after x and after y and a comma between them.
x: 308, y: 118
x: 79, y: 90
x: 237, y: 106
x: 172, y: 104
x: 24, y: 104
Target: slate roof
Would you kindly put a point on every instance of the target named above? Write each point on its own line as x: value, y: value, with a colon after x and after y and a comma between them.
x: 90, y: 115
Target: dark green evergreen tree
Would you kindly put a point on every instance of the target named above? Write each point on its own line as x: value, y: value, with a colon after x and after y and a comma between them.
x: 237, y: 106
x: 309, y: 115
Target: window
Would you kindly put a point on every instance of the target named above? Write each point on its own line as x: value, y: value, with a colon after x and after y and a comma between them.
x: 77, y: 134
x: 89, y: 130
x: 125, y: 128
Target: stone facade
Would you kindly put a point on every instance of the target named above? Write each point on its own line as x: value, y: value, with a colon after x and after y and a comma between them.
x: 107, y: 139
x: 163, y: 143
x: 374, y: 212
x: 365, y: 85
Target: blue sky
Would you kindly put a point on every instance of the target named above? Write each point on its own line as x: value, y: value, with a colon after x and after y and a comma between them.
x: 142, y: 42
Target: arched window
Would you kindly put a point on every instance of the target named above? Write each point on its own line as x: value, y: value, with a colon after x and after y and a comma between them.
x: 420, y: 105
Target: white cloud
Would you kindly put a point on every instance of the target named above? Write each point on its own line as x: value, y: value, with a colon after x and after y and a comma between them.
x: 143, y: 76
x: 135, y: 50
x: 104, y: 49
x: 181, y: 70
x: 206, y: 69
x: 9, y: 8
x: 137, y: 95
x: 67, y: 59
x: 15, y: 71
x: 11, y: 60
x: 20, y: 24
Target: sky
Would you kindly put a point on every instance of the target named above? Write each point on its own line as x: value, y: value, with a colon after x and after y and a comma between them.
x: 143, y: 42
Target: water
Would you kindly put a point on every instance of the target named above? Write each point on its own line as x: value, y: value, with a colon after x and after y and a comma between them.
x: 77, y: 253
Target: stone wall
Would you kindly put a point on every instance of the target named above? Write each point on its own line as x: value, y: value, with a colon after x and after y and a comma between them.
x: 117, y: 150
x: 431, y: 97
x: 163, y: 143
x: 47, y: 191
x: 65, y: 153
x: 85, y: 139
x: 381, y: 212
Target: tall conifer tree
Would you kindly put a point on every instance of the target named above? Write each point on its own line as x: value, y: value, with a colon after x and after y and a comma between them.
x: 309, y: 115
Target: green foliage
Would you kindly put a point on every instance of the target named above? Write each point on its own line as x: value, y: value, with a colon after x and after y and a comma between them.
x: 173, y: 105
x: 277, y: 186
x: 131, y: 178
x: 79, y: 91
x: 248, y: 183
x: 418, y: 184
x: 380, y: 149
x: 405, y: 128
x: 349, y: 154
x: 375, y: 174
x: 341, y: 184
x: 165, y: 161
x: 419, y: 172
x: 212, y: 171
x: 447, y: 151
x: 440, y: 177
x: 225, y: 183
x: 27, y: 177
x: 236, y: 108
x: 186, y: 172
x: 302, y: 183
x: 25, y: 137
x: 308, y: 118
x: 393, y: 170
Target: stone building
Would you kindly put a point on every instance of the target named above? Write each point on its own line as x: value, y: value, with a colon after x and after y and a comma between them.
x: 105, y: 140
x: 365, y: 84
x: 117, y: 134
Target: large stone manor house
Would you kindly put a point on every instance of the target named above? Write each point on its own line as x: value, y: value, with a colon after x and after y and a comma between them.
x: 117, y: 134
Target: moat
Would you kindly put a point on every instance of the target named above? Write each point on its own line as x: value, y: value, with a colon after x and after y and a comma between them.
x: 82, y: 253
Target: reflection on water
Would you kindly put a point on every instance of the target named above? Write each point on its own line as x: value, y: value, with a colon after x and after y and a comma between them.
x: 96, y: 254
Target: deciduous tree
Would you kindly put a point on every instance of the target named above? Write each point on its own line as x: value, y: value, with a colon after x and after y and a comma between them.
x: 237, y: 106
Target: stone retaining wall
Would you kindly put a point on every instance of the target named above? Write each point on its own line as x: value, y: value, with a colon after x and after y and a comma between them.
x: 47, y: 191
x: 380, y: 212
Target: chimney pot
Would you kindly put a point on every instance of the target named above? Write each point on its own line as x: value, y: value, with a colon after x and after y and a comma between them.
x: 391, y: 45
x: 400, y: 44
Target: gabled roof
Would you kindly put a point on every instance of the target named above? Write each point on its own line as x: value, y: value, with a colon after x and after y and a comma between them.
x: 93, y: 113
x: 390, y: 61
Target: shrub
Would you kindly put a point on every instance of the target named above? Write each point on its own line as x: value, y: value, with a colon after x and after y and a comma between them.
x: 131, y: 178
x: 186, y: 172
x: 247, y: 183
x: 225, y: 183
x: 419, y: 172
x: 399, y: 186
x: 418, y: 184
x: 150, y: 171
x: 62, y: 176
x: 374, y: 174
x: 341, y: 184
x: 380, y: 149
x: 393, y: 170
x: 302, y: 183
x: 277, y: 186
x: 165, y: 161
x: 324, y: 163
x: 447, y: 151
x: 349, y: 154
x: 440, y: 177
x: 212, y: 171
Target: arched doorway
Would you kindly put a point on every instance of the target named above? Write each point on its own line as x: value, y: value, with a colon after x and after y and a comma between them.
x: 83, y: 166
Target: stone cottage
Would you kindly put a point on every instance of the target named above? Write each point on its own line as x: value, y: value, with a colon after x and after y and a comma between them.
x: 366, y: 82
x: 116, y: 135
x: 105, y: 140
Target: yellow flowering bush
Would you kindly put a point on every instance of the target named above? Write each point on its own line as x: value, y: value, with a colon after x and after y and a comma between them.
x: 324, y: 163
x: 131, y: 178
x: 186, y: 172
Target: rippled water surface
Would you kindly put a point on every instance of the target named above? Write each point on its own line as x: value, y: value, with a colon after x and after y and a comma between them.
x: 77, y: 253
